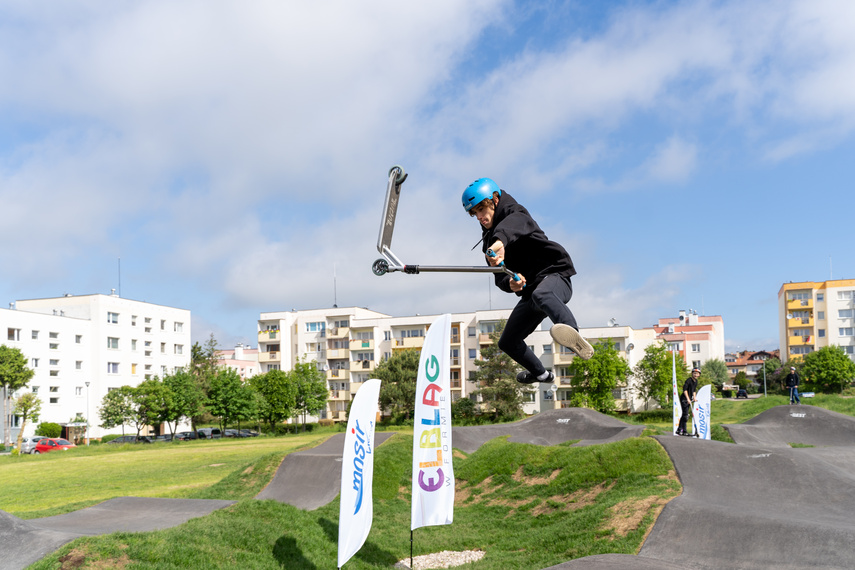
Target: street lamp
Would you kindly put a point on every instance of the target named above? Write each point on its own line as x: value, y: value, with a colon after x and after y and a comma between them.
x: 87, y: 413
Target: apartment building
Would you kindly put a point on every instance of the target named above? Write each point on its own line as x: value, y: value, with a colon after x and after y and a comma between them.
x: 348, y: 344
x: 814, y: 314
x: 82, y: 346
x: 242, y: 359
x: 697, y: 338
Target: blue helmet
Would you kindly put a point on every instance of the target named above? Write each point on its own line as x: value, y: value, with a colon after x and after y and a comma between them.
x: 478, y: 191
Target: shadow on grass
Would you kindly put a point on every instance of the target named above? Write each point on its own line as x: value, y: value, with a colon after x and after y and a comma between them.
x: 289, y: 555
x: 370, y: 553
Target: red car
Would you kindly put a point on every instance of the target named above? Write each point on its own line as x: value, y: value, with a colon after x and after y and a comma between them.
x: 53, y: 444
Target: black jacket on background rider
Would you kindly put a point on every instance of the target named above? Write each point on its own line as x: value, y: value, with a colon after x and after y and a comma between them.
x: 527, y: 249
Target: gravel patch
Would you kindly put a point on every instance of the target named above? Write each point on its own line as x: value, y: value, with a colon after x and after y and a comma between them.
x: 444, y: 559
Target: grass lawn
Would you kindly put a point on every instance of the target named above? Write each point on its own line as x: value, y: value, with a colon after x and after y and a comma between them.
x: 527, y: 506
x: 59, y: 482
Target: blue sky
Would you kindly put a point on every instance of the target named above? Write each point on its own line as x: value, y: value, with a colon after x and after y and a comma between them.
x: 689, y: 155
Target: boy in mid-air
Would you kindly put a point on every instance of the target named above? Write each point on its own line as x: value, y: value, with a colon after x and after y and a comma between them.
x: 543, y: 270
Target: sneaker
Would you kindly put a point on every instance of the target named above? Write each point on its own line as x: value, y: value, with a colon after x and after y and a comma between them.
x: 565, y: 335
x: 526, y: 377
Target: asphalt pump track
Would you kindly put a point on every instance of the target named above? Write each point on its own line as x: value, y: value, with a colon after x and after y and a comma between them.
x: 761, y: 503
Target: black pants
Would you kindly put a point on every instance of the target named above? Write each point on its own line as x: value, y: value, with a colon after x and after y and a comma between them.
x: 686, y: 408
x: 549, y: 299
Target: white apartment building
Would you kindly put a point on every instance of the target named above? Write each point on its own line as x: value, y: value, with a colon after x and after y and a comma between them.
x: 82, y: 346
x: 697, y: 338
x: 348, y: 343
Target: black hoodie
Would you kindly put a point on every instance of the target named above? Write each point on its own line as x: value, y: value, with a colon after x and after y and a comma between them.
x: 527, y: 249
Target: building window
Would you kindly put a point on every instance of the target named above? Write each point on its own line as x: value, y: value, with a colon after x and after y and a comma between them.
x: 78, y: 390
x: 54, y: 362
x: 78, y: 365
x: 820, y: 333
x: 35, y: 362
x: 845, y: 313
x: 14, y: 334
x: 112, y: 368
x: 847, y: 331
x: 342, y: 324
x: 54, y: 400
x: 820, y: 315
x: 133, y: 320
x: 179, y: 327
x: 473, y: 353
x: 54, y: 335
x: 162, y: 324
x: 54, y: 389
x: 696, y: 364
x: 801, y: 295
x: 54, y: 372
x: 53, y: 346
x: 35, y: 335
x: 696, y: 347
x: 112, y: 343
x: 471, y: 331
x: 35, y: 389
x: 113, y: 318
x: 547, y: 349
x: 134, y: 344
x: 845, y: 295
x: 820, y: 297
x: 316, y: 327
x: 134, y: 369
x: 163, y: 348
x: 387, y: 335
x: 179, y: 349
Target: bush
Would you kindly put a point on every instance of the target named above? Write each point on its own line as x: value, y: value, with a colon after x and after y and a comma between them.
x: 49, y: 429
x: 660, y: 415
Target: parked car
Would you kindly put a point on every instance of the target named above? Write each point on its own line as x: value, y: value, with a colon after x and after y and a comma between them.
x: 742, y: 394
x: 249, y: 433
x: 28, y: 444
x: 48, y: 444
x: 186, y: 435
x: 209, y: 433
x: 131, y: 439
x: 163, y: 437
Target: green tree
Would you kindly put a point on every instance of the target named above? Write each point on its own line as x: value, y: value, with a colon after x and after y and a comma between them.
x: 594, y: 380
x: 152, y: 404
x: 741, y: 380
x: 204, y: 367
x: 499, y: 390
x: 187, y: 397
x: 398, y: 388
x: 653, y: 374
x: 277, y: 396
x: 28, y: 407
x: 14, y: 375
x: 116, y: 408
x: 770, y: 366
x: 714, y: 371
x: 828, y: 369
x: 311, y: 387
x: 229, y: 398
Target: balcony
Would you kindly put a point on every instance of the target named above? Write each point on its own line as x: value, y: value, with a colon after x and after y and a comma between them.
x: 799, y: 322
x: 800, y: 340
x: 340, y: 396
x: 363, y: 365
x: 411, y: 342
x: 272, y: 356
x: 359, y: 344
x: 338, y: 374
x: 484, y: 339
x: 334, y: 353
x: 560, y: 357
x: 267, y: 336
x: 799, y: 304
x: 338, y: 332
